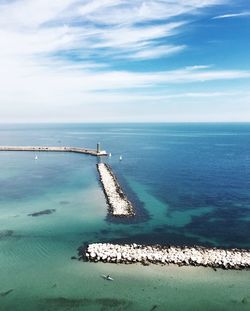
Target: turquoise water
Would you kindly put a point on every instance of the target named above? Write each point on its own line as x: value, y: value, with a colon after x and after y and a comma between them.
x: 177, y: 199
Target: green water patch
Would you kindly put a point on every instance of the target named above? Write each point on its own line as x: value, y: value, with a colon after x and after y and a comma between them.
x: 4, y: 234
x: 85, y: 212
x: 52, y: 172
x: 79, y: 286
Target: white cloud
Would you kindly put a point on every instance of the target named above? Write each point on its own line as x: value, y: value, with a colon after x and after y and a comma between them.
x: 95, y: 28
x: 55, y: 55
x: 31, y: 13
x: 138, y: 11
x: 96, y: 6
x: 198, y: 67
x: 131, y: 36
x: 157, y: 51
x: 241, y: 14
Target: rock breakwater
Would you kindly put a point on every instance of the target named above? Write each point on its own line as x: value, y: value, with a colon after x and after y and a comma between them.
x: 194, y: 256
x: 53, y: 149
x: 118, y: 202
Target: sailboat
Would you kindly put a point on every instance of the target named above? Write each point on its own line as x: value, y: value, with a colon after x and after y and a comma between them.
x: 36, y: 157
x: 120, y: 158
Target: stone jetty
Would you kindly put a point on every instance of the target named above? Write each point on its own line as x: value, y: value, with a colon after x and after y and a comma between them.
x: 118, y: 202
x: 54, y: 149
x: 188, y: 256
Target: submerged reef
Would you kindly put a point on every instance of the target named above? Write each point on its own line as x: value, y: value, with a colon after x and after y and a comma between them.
x: 45, y: 212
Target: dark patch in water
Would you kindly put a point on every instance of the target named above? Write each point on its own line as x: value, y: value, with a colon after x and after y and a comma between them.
x: 6, y: 234
x: 104, y: 231
x: 159, y: 229
x: 82, y: 249
x: 212, y: 226
x: 154, y: 307
x: 113, y: 303
x: 164, y: 238
x: 245, y: 300
x: 45, y: 212
x: 104, y: 236
x: 3, y: 294
x: 64, y: 202
x: 105, y: 303
x: 67, y: 302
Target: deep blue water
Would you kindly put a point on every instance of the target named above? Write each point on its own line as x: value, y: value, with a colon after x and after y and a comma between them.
x: 189, y: 182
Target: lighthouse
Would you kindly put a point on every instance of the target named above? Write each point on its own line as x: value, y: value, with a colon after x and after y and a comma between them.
x: 98, y: 148
x: 100, y: 152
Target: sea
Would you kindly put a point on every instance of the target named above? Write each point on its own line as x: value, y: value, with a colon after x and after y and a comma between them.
x: 189, y: 184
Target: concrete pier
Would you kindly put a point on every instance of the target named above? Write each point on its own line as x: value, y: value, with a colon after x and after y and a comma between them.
x: 194, y: 256
x: 118, y: 202
x: 54, y: 149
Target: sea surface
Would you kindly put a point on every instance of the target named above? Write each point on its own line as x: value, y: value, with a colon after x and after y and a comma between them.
x: 189, y: 183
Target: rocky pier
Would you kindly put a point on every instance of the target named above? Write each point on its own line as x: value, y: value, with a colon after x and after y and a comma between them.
x: 54, y: 149
x: 119, y: 204
x: 188, y: 256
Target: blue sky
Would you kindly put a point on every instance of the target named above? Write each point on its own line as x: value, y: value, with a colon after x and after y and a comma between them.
x: 124, y: 61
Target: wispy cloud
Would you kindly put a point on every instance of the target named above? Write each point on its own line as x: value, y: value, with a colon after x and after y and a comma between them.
x: 61, y: 53
x: 198, y: 67
x: 156, y: 51
x: 117, y: 28
x: 241, y: 14
x: 115, y: 12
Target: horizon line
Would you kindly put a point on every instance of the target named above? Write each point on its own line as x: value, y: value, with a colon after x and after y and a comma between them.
x: 123, y: 122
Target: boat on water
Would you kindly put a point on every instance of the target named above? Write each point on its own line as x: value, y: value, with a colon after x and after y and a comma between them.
x: 107, y: 278
x: 36, y: 157
x: 120, y: 158
x: 110, y: 155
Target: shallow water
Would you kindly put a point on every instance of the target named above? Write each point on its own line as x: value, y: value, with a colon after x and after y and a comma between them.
x: 190, y: 185
x: 80, y: 287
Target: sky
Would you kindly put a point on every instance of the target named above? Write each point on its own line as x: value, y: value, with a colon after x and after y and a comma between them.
x: 124, y: 61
